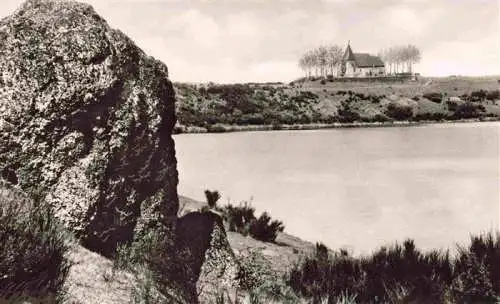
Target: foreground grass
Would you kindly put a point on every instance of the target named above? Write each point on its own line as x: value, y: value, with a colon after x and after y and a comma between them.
x: 34, y: 265
x: 33, y: 250
x: 403, y: 274
x: 398, y: 273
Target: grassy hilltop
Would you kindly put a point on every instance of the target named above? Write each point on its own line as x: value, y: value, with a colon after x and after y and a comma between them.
x: 325, y: 103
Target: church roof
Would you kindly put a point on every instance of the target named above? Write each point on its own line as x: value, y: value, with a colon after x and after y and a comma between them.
x: 349, y: 55
x: 364, y: 60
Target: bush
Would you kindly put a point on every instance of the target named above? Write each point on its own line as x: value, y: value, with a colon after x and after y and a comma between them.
x: 452, y: 105
x: 399, y: 112
x: 468, y: 110
x: 264, y: 229
x: 374, y: 98
x: 493, y: 95
x: 481, y: 260
x: 212, y: 198
x: 242, y: 219
x: 423, y: 277
x: 434, y: 97
x: 322, y: 81
x: 33, y: 252
x: 260, y: 281
x: 346, y: 114
x: 239, y: 217
x: 403, y: 274
x: 360, y: 95
x: 379, y: 118
x: 478, y: 95
x: 430, y: 117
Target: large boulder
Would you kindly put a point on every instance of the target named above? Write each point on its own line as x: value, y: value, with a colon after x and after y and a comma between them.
x: 85, y: 122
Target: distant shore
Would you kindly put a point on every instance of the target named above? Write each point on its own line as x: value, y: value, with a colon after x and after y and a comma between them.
x: 225, y: 128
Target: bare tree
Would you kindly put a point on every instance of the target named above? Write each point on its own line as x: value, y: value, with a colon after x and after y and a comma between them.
x: 303, y: 64
x: 307, y: 63
x: 400, y: 58
x: 320, y: 60
x: 334, y: 58
x: 385, y: 56
x: 414, y: 56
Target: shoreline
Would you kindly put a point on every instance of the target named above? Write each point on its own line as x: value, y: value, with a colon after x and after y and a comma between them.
x: 224, y: 128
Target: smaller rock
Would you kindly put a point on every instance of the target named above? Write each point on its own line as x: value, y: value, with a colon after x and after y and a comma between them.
x: 212, y: 259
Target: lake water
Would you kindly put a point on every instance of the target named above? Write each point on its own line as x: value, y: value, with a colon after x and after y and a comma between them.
x: 356, y: 188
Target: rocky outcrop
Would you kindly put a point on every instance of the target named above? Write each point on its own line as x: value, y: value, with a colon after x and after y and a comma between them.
x: 212, y: 260
x: 85, y: 122
x: 85, y: 126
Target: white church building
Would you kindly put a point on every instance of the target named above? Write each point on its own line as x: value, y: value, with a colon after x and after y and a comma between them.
x: 362, y: 64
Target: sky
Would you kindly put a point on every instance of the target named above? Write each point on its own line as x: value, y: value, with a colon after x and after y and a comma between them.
x: 261, y: 40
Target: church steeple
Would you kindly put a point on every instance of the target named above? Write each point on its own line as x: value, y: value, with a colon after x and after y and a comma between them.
x: 349, y: 55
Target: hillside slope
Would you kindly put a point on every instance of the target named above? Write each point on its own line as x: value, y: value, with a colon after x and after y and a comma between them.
x: 218, y: 108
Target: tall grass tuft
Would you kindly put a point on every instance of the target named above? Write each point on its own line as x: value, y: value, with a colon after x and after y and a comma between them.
x: 160, y: 268
x: 33, y: 251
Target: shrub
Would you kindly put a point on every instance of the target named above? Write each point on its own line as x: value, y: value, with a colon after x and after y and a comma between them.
x: 360, y: 95
x: 379, y: 118
x: 374, y: 98
x: 467, y: 110
x: 322, y: 81
x: 242, y: 219
x: 33, y: 251
x: 478, y: 95
x: 263, y: 284
x: 212, y: 198
x: 254, y: 269
x: 264, y: 229
x: 401, y: 272
x: 452, y: 105
x: 346, y: 114
x: 493, y: 95
x: 472, y: 283
x: 430, y: 116
x: 239, y: 217
x: 484, y: 254
x: 415, y: 98
x: 399, y: 112
x: 434, y: 97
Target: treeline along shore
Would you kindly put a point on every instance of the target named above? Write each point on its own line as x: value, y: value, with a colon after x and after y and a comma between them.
x: 319, y: 103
